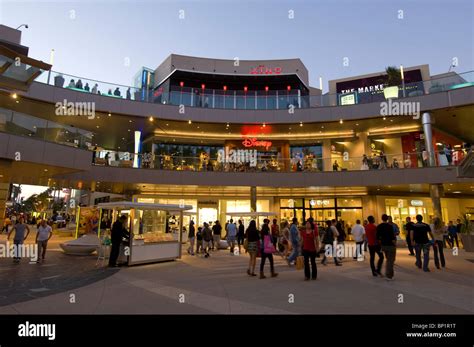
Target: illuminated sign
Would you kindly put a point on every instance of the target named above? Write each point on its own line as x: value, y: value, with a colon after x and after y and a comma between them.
x: 416, y: 203
x: 263, y: 70
x: 253, y: 142
x: 348, y: 99
x: 322, y: 202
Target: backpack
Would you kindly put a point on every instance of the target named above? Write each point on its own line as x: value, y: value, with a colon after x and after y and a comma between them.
x: 328, y: 236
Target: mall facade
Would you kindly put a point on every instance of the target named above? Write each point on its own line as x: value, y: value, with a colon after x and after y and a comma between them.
x: 230, y: 136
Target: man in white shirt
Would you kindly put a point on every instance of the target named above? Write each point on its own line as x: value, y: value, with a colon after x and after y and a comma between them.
x: 358, y: 232
x: 42, y: 237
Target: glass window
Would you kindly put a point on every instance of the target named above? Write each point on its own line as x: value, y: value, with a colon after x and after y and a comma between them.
x: 349, y: 202
x: 151, y: 226
x: 291, y: 202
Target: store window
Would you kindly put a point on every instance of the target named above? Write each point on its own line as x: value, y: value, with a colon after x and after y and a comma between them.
x: 306, y: 158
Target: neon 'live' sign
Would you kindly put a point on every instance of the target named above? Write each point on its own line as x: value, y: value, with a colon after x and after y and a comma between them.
x: 263, y: 70
x: 253, y: 142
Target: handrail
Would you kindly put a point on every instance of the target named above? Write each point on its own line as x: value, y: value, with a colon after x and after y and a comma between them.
x: 253, y: 99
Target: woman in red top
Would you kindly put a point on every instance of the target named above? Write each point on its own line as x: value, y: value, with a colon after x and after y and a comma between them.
x: 310, y: 240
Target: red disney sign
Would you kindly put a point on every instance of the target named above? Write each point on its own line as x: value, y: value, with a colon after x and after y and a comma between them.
x: 263, y: 70
x: 253, y: 142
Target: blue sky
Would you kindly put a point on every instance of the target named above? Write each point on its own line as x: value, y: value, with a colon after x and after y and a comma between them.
x: 104, y: 34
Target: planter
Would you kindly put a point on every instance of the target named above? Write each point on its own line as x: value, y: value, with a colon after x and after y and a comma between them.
x: 390, y: 92
x: 468, y: 242
x: 59, y: 81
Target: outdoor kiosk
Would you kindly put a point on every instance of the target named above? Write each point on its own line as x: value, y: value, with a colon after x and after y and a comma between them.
x: 151, y: 239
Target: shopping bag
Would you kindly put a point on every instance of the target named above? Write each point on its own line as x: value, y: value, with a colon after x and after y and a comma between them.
x: 299, y: 263
x: 268, y: 247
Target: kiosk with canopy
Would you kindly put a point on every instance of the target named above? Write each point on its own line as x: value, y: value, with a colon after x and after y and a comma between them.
x: 150, y: 227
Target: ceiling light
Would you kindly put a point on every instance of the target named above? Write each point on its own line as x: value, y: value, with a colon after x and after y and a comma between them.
x: 151, y: 119
x: 457, y: 192
x: 264, y: 125
x: 357, y: 124
x: 128, y: 130
x: 301, y: 124
x: 189, y: 121
x: 341, y: 121
x: 110, y: 115
x: 384, y: 118
x: 130, y: 121
x: 97, y: 126
x: 14, y: 95
x: 322, y: 126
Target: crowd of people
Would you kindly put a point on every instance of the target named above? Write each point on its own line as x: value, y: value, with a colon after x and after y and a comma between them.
x: 95, y: 89
x: 300, y: 245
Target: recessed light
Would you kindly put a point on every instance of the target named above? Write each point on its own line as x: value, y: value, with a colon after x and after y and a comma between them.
x: 301, y: 124
x: 357, y: 124
x: 189, y: 121
x: 45, y: 170
x: 457, y: 192
x: 150, y: 119
x: 341, y: 121
x: 14, y: 95
x: 110, y: 115
x: 17, y: 102
x: 384, y: 118
x: 130, y: 121
x: 322, y: 126
x: 97, y: 126
x: 128, y: 130
x: 167, y: 124
x: 123, y: 138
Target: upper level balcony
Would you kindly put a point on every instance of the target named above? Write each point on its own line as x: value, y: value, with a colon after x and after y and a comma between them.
x: 265, y: 99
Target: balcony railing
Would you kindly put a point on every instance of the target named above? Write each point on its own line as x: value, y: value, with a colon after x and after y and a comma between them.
x: 259, y: 164
x: 250, y: 100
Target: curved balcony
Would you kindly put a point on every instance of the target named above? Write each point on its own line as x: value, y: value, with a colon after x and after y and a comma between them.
x: 251, y: 99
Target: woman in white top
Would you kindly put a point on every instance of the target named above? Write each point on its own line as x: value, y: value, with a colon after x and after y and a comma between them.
x: 439, y: 230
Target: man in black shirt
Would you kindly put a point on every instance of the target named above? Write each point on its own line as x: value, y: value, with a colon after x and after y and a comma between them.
x: 419, y: 238
x: 216, y: 232
x: 116, y: 235
x: 408, y: 228
x: 387, y: 240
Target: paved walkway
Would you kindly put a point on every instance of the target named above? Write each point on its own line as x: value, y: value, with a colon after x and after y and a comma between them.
x: 219, y: 284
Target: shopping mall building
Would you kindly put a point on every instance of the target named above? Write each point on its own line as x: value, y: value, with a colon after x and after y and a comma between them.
x: 229, y: 136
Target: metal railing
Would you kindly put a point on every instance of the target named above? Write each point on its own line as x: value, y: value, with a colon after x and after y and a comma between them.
x: 251, y: 99
x: 259, y: 163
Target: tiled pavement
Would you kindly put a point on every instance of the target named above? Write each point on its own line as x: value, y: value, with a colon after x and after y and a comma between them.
x: 220, y: 285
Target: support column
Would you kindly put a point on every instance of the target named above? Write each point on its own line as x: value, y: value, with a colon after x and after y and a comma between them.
x: 253, y: 199
x: 426, y: 121
x: 436, y: 192
x: 327, y: 164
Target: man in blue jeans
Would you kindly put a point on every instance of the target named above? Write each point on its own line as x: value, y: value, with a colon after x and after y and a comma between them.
x: 419, y: 238
x: 294, y: 238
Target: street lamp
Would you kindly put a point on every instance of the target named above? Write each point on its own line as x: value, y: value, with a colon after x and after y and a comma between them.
x: 23, y: 25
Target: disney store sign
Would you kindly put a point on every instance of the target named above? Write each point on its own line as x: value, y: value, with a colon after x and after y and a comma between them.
x: 253, y: 142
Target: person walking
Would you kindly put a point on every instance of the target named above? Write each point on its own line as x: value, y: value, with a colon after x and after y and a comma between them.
x: 387, y: 241
x: 240, y: 234
x: 252, y: 236
x: 43, y: 235
x: 295, y: 241
x: 199, y: 240
x: 231, y: 235
x: 116, y: 236
x: 267, y: 251
x: 6, y: 223
x: 216, y: 234
x: 329, y: 242
x: 341, y: 237
x: 396, y: 229
x: 284, y: 238
x: 310, y: 247
x: 419, y: 238
x: 191, y: 237
x: 358, y: 232
x: 453, y: 234
x: 408, y: 227
x: 19, y: 228
x: 374, y: 247
x: 275, y: 232
x: 206, y: 239
x: 439, y: 231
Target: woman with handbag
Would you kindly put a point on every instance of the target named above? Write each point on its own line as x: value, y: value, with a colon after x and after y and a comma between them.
x: 267, y: 250
x: 310, y: 246
x: 252, y: 238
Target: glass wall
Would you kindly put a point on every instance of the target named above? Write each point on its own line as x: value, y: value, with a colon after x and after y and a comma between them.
x: 306, y: 158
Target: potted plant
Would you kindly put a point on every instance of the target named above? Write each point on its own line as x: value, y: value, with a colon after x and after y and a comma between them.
x: 59, y: 81
x: 394, y: 79
x: 467, y: 232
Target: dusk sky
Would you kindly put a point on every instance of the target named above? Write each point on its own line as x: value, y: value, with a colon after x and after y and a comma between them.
x: 96, y: 39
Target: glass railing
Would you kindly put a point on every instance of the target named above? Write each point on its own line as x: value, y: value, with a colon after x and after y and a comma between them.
x: 251, y: 100
x: 21, y: 124
x: 259, y: 164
